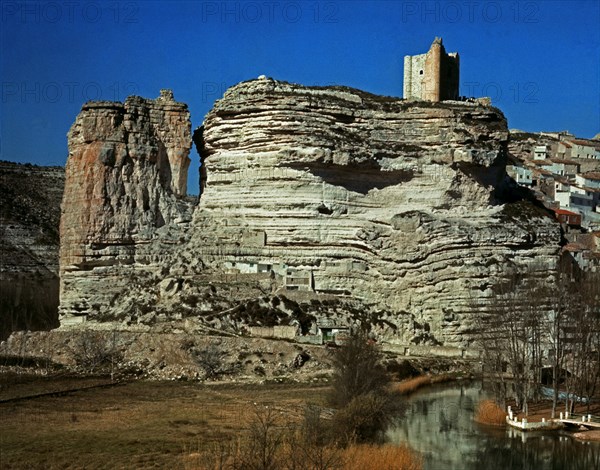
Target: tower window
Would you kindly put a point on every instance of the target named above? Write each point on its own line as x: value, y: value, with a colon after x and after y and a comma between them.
x: 420, y: 72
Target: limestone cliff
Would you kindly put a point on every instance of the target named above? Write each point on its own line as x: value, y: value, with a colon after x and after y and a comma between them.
x: 387, y: 202
x: 126, y: 179
x: 29, y: 218
x: 343, y: 203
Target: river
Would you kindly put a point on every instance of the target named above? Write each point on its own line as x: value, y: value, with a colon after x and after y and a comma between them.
x: 439, y: 424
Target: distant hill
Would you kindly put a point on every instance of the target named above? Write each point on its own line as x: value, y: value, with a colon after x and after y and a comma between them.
x: 30, y: 198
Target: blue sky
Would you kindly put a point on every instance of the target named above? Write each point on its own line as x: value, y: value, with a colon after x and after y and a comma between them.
x: 538, y: 60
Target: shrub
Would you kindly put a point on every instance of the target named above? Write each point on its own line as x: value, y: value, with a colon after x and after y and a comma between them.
x: 489, y: 412
x: 212, y: 360
x: 387, y: 457
x: 408, y: 386
x: 360, y: 390
x: 357, y: 370
x: 402, y: 370
x: 364, y: 419
x: 262, y: 450
x: 272, y: 443
x: 95, y: 351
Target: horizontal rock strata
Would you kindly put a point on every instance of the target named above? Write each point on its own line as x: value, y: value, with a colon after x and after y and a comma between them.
x: 29, y: 218
x: 387, y: 202
x: 373, y: 208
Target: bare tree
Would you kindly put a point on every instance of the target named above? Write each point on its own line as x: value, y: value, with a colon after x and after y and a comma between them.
x: 512, y: 335
x: 582, y: 332
x: 358, y: 370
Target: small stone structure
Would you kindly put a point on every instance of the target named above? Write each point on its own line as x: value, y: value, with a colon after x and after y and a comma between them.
x: 433, y: 76
x: 277, y: 331
x: 329, y: 329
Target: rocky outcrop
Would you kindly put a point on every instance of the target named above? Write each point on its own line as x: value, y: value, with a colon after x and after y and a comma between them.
x: 29, y: 219
x: 341, y: 203
x: 126, y: 179
x: 390, y: 203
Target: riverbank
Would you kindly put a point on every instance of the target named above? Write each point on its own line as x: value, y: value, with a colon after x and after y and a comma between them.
x: 439, y: 424
x: 587, y: 436
x: 407, y: 386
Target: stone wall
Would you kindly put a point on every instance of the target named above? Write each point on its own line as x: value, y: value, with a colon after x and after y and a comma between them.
x: 278, y: 331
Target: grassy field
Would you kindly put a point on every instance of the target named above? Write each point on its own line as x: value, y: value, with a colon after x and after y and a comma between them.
x: 135, y: 425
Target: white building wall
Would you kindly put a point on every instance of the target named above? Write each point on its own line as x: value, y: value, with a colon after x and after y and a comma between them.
x: 540, y: 152
x: 413, y: 78
x: 590, y: 183
x: 584, y: 151
x: 563, y: 198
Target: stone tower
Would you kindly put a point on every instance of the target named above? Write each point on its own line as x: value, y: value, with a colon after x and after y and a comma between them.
x: 433, y: 76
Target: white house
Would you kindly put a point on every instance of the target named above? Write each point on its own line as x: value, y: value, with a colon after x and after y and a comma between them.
x: 540, y: 152
x: 523, y: 176
x: 585, y: 149
x: 588, y: 180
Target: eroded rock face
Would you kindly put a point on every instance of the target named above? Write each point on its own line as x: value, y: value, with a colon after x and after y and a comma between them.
x: 126, y: 176
x: 29, y: 217
x: 390, y: 203
x: 359, y: 207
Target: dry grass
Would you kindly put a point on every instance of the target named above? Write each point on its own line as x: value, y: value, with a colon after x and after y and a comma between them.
x: 587, y: 436
x: 387, y: 457
x: 354, y: 457
x: 408, y: 386
x: 138, y: 425
x: 489, y: 412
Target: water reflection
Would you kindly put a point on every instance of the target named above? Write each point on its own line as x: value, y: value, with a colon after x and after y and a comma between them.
x: 439, y: 424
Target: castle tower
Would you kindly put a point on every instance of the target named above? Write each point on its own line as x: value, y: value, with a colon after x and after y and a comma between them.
x: 433, y: 76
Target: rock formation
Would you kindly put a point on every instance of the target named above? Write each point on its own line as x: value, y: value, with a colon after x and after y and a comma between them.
x: 126, y: 179
x: 370, y: 208
x: 29, y: 219
x: 346, y: 193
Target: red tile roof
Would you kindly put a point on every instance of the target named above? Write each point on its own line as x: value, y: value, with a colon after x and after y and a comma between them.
x: 564, y: 212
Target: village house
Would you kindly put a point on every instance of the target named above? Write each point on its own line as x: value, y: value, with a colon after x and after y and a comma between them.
x: 522, y: 176
x: 563, y: 150
x: 297, y: 279
x: 589, y: 180
x: 567, y: 217
x: 568, y: 168
x: 585, y: 251
x: 582, y: 148
x: 584, y: 198
x: 540, y: 152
